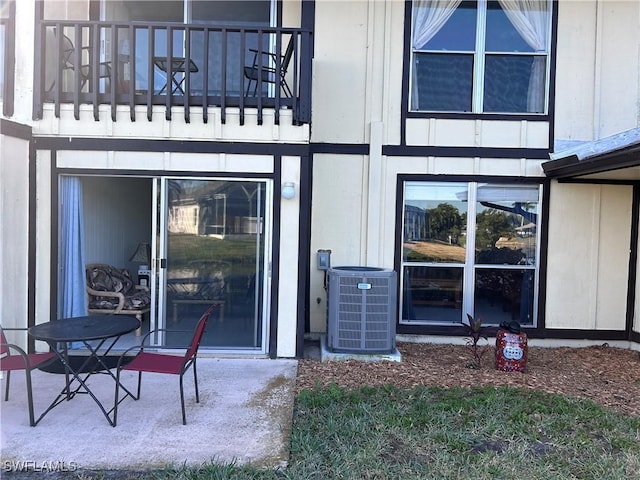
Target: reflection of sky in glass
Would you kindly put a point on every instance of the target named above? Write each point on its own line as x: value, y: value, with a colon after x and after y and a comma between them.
x: 459, y: 33
x: 501, y: 35
x: 429, y: 195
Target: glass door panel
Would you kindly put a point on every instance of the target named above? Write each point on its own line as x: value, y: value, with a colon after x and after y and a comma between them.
x: 215, y: 253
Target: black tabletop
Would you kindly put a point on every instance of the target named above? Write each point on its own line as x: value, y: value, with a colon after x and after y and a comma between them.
x: 90, y: 327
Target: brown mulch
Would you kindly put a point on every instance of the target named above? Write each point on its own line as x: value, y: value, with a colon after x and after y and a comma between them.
x: 607, y: 375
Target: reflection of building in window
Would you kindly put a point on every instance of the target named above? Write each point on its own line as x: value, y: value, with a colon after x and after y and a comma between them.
x: 184, y: 218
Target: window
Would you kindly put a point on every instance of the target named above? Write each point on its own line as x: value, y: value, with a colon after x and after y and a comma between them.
x: 4, y: 20
x: 469, y: 248
x: 489, y: 56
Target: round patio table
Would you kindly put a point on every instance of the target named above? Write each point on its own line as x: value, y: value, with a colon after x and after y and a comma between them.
x: 58, y: 333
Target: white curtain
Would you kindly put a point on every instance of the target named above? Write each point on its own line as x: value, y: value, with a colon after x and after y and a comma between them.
x: 531, y: 19
x: 429, y: 16
x: 72, y: 258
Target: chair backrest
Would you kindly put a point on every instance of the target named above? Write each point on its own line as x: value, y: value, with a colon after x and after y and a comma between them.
x: 197, y: 334
x: 4, y: 349
x: 67, y: 52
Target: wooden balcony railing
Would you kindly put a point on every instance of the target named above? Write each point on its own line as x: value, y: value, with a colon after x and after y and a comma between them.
x: 174, y: 64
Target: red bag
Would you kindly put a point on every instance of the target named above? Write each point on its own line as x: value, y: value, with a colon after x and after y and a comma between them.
x: 511, y: 349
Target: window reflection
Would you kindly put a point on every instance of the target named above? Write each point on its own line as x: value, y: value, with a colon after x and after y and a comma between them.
x: 504, y: 293
x: 435, y: 223
x: 506, y: 225
x: 447, y: 272
x: 433, y: 293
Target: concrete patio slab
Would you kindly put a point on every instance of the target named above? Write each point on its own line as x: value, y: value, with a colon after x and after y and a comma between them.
x: 244, y: 415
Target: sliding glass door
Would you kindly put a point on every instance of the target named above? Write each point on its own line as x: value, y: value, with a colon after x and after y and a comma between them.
x: 213, y: 248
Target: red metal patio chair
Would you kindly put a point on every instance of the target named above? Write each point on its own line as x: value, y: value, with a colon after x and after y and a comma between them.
x: 21, y: 361
x: 163, y: 363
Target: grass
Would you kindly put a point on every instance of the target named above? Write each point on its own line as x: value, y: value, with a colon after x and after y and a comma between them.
x: 437, y: 433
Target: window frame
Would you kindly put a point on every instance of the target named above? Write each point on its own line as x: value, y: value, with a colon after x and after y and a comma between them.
x: 479, y: 55
x: 471, y: 265
x: 8, y: 55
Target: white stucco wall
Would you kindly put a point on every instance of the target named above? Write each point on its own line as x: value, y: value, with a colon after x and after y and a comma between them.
x: 288, y: 269
x: 588, y: 256
x: 14, y: 235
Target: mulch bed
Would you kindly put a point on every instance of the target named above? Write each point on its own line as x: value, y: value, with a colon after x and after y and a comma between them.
x: 607, y: 375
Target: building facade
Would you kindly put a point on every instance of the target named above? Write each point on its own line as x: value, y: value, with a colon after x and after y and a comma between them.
x: 444, y: 140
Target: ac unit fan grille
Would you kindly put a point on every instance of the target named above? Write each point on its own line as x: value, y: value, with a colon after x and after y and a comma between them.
x: 362, y: 319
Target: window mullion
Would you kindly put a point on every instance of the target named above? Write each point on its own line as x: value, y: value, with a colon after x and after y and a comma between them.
x: 469, y: 267
x: 478, y: 60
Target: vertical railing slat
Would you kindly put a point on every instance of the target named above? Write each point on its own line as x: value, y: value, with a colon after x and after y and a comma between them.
x: 95, y: 40
x: 114, y: 73
x: 150, y: 76
x: 169, y: 72
x: 132, y: 73
x: 77, y: 69
x: 223, y: 77
x: 187, y: 78
x: 259, y: 75
x: 243, y: 48
x: 205, y: 76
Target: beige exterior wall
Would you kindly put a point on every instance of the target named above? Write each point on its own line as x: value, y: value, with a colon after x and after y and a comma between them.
x: 14, y: 239
x: 598, y: 68
x: 588, y: 259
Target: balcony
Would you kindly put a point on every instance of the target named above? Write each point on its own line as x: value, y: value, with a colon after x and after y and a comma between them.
x: 173, y: 64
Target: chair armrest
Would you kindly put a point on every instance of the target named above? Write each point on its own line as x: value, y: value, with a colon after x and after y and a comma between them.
x: 272, y: 55
x: 142, y: 287
x: 141, y: 346
x: 118, y: 295
x: 19, y: 350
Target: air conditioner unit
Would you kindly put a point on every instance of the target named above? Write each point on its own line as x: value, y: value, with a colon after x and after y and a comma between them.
x: 361, y: 310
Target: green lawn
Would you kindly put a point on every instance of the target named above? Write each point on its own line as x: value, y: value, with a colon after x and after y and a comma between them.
x: 436, y: 433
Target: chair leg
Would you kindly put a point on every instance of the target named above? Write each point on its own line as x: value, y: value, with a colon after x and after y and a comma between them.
x: 139, y: 384
x: 139, y: 329
x: 285, y: 87
x: 6, y: 387
x: 184, y: 415
x: 195, y: 380
x: 116, y: 402
x: 30, y: 398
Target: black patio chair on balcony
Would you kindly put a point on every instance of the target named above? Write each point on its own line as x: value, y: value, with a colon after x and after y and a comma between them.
x: 67, y: 61
x: 265, y: 68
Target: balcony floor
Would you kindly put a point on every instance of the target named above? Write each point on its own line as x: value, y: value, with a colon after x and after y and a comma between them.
x: 244, y: 414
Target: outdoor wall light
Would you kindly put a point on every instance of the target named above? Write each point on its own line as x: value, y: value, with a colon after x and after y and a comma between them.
x: 288, y: 190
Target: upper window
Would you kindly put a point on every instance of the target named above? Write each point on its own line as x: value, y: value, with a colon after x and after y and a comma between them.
x: 489, y: 56
x: 4, y: 20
